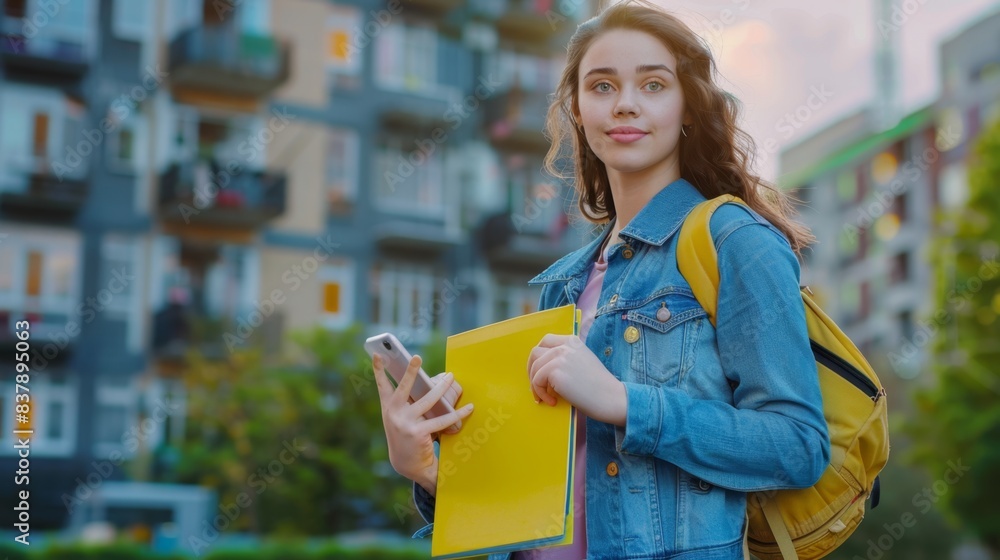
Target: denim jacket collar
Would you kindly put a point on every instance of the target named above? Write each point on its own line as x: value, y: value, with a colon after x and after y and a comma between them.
x: 656, y: 222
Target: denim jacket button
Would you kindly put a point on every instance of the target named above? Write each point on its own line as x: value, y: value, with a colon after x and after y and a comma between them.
x: 631, y: 335
x: 627, y: 252
x: 613, y: 299
x: 663, y: 314
x: 612, y: 469
x: 607, y: 351
x: 703, y: 486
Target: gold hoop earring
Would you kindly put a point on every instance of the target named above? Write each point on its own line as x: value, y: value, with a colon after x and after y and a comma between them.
x: 683, y: 131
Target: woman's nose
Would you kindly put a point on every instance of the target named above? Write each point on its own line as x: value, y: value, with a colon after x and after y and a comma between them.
x: 626, y: 105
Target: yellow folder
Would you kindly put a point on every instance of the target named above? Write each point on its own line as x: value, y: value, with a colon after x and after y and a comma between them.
x: 505, y: 480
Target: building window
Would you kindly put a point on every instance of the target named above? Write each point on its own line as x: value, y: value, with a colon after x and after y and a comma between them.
x: 407, y: 188
x: 40, y: 135
x: 515, y: 300
x: 403, y: 300
x: 6, y: 268
x: 906, y: 327
x: 862, y: 174
x: 343, y: 60
x: 406, y: 58
x: 534, y: 198
x: 57, y: 414
x: 847, y: 187
x: 900, y: 268
x: 337, y: 294
x: 38, y: 284
x: 116, y: 404
x: 37, y: 124
x: 899, y: 207
x: 117, y: 273
x: 33, y: 280
x: 126, y: 144
x: 523, y: 71
x: 53, y: 416
x: 954, y: 185
x: 131, y: 19
x: 342, y: 169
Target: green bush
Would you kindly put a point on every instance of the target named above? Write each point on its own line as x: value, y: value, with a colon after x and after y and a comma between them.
x: 271, y: 551
x: 12, y: 551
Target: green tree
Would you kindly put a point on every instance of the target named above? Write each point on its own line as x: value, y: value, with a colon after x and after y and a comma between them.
x: 958, y: 420
x: 302, y: 439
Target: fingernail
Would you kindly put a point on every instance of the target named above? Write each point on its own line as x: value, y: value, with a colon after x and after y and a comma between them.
x: 538, y: 401
x: 469, y: 406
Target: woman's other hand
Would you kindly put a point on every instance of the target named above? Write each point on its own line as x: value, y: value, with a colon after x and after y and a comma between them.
x: 563, y: 366
x: 409, y: 435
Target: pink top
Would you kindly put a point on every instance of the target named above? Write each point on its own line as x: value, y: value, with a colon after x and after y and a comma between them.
x: 578, y: 550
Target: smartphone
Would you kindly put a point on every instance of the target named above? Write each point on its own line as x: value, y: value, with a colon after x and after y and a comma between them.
x: 395, y: 360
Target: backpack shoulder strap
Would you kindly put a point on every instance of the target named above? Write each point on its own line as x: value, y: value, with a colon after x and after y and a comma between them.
x: 696, y: 257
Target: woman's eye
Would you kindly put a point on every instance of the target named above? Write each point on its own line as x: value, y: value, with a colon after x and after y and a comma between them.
x: 600, y: 85
x: 658, y: 85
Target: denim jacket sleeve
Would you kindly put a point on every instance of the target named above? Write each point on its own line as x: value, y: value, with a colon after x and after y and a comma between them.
x: 774, y: 435
x: 425, y: 503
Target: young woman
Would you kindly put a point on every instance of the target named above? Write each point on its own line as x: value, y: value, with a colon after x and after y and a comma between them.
x: 680, y: 419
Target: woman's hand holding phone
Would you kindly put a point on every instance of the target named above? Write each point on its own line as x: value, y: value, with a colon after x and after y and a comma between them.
x: 409, y: 435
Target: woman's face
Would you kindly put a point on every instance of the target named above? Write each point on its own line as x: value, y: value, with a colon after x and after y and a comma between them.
x: 631, y: 103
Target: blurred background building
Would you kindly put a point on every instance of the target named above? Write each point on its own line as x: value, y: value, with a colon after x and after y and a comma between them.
x: 885, y: 176
x: 168, y: 166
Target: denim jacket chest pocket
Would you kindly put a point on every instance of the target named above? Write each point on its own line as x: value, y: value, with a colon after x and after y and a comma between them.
x: 661, y: 334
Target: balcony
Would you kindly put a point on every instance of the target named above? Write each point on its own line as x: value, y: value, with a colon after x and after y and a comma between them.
x: 52, y: 340
x: 405, y: 109
x: 193, y: 194
x: 39, y: 55
x: 436, y: 5
x: 45, y: 198
x: 524, y: 21
x: 179, y: 329
x: 508, y: 249
x: 414, y: 237
x: 516, y: 120
x: 222, y: 60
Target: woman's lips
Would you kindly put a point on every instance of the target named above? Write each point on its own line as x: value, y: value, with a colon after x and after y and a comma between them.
x: 626, y: 137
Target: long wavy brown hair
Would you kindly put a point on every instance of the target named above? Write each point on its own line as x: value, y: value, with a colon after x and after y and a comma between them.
x: 716, y: 156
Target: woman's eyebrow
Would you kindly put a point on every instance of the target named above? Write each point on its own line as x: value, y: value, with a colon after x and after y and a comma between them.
x: 641, y: 69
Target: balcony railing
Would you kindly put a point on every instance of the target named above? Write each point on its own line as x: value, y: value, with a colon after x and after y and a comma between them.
x: 38, y: 54
x: 178, y: 329
x: 499, y: 239
x: 516, y: 119
x: 224, y: 60
x: 525, y: 19
x: 45, y: 198
x: 246, y: 199
x: 440, y: 5
x: 48, y: 329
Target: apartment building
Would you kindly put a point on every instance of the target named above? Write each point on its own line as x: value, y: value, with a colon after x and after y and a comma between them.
x: 134, y: 189
x: 872, y: 193
x: 172, y: 170
x: 424, y: 165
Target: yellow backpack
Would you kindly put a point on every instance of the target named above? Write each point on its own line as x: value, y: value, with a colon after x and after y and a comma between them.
x: 807, y: 523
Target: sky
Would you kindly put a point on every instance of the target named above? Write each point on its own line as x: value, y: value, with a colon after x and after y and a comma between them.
x: 777, y: 56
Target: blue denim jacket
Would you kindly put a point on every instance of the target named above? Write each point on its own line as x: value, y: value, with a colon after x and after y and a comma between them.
x: 713, y: 413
